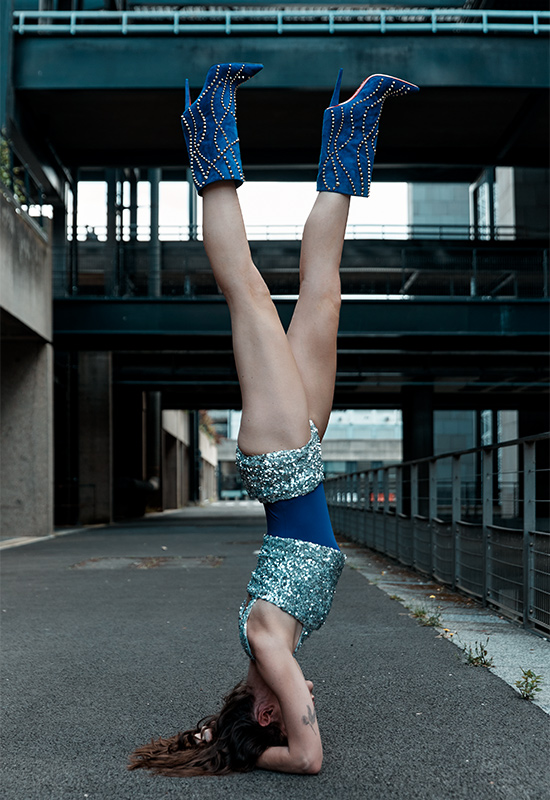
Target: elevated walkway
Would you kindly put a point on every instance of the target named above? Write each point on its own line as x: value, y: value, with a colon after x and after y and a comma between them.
x: 130, y: 632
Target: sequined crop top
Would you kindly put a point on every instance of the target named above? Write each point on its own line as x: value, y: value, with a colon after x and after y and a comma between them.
x: 296, y: 576
x: 283, y: 474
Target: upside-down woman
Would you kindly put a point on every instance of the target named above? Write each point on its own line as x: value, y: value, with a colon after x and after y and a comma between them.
x: 287, y: 382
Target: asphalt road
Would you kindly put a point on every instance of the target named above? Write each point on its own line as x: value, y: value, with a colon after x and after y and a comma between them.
x: 109, y: 639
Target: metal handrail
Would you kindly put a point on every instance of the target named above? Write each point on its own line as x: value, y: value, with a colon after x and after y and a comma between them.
x: 357, y: 231
x: 281, y: 21
x: 496, y: 549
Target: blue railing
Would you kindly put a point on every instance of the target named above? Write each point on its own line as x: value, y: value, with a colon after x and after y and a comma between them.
x: 281, y: 21
x: 477, y: 520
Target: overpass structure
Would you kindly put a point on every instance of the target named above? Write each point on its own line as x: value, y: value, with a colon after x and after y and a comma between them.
x: 435, y: 316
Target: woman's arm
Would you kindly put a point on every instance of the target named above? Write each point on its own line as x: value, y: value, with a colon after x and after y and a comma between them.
x: 282, y: 674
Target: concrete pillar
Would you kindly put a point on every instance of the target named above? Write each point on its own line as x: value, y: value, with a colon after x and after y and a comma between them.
x: 66, y: 457
x: 154, y: 278
x: 62, y: 278
x: 111, y: 267
x: 26, y: 471
x: 154, y: 447
x: 95, y: 437
x: 532, y: 422
x: 73, y: 244
x: 418, y: 437
x: 132, y: 179
x: 170, y: 471
x: 194, y: 458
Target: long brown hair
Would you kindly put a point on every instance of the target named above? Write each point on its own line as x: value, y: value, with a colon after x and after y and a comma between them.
x: 237, y: 741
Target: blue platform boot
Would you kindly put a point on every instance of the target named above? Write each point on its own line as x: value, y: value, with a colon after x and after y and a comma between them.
x: 350, y: 132
x: 210, y: 125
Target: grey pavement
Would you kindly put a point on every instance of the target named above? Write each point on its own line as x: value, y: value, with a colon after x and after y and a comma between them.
x: 112, y: 635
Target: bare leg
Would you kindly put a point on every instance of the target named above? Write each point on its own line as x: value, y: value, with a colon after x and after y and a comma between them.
x: 275, y: 409
x: 314, y: 326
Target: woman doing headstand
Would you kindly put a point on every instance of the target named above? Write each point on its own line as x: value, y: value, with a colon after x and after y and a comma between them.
x: 287, y: 384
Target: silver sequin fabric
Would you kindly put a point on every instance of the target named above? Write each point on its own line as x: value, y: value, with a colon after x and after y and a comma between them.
x: 298, y: 577
x: 283, y: 474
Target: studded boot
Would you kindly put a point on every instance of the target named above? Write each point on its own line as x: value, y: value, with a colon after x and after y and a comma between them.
x: 350, y: 133
x: 210, y: 125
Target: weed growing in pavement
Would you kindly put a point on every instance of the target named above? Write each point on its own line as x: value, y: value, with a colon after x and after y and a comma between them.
x: 528, y: 684
x: 396, y: 597
x: 421, y: 614
x: 478, y: 656
x: 433, y: 621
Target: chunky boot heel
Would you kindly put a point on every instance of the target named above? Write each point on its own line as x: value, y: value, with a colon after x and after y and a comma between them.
x: 210, y: 125
x: 350, y: 133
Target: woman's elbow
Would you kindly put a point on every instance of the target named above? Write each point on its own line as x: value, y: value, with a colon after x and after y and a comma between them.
x: 311, y: 766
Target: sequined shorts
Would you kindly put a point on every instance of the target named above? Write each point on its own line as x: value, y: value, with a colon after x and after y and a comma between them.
x: 283, y: 474
x: 296, y: 576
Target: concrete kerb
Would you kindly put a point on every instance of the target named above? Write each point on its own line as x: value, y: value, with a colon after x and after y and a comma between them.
x: 20, y: 541
x: 227, y: 508
x: 460, y: 619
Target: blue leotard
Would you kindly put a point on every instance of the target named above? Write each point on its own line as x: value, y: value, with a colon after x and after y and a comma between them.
x: 305, y: 518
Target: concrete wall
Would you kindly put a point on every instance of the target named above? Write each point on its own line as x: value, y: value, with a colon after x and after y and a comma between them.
x: 176, y: 457
x: 26, y: 393
x: 25, y: 270
x: 522, y: 199
x: 26, y: 467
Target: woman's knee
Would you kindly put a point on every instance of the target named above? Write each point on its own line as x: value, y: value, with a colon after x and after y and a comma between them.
x: 248, y: 286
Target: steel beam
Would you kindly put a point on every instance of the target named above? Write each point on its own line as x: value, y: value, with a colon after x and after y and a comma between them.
x: 148, y: 322
x: 119, y: 62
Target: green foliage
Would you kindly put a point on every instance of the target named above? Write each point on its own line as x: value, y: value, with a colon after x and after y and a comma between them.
x: 422, y: 615
x: 528, y: 684
x: 11, y: 175
x: 478, y: 656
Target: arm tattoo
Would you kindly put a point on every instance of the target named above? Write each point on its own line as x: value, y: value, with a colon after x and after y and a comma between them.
x: 310, y: 719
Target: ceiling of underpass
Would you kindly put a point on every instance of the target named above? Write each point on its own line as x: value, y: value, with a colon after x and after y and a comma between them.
x: 116, y: 101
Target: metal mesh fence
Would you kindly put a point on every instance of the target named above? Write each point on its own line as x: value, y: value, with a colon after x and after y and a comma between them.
x: 487, y: 536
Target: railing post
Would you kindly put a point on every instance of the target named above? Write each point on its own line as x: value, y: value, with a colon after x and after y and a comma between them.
x: 456, y: 512
x: 529, y: 525
x: 486, y: 518
x: 414, y: 508
x: 398, y: 508
x: 385, y: 490
x: 354, y: 505
x: 432, y: 509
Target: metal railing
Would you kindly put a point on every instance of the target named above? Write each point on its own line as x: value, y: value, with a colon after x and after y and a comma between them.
x: 114, y: 269
x: 477, y: 520
x: 281, y: 21
x: 293, y: 232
